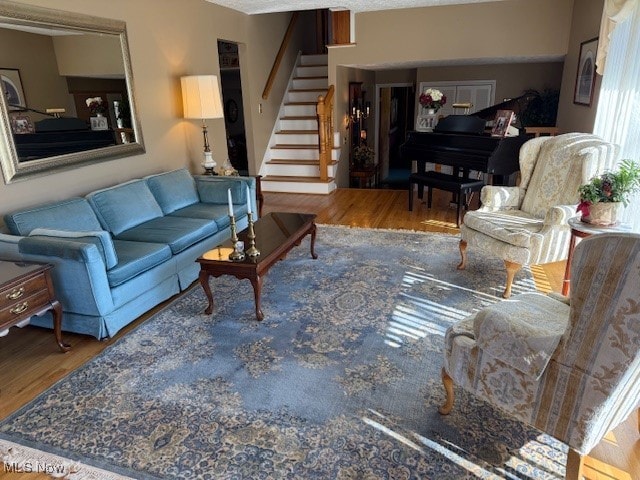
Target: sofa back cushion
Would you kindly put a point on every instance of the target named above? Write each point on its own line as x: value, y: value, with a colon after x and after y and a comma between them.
x: 72, y: 214
x: 173, y: 190
x: 124, y: 206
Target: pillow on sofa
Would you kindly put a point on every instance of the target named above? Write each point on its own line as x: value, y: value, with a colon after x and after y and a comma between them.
x: 99, y: 238
x: 215, y: 190
x: 70, y: 214
x: 173, y: 190
x: 125, y: 206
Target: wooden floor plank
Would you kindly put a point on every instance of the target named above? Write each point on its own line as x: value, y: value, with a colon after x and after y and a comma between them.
x: 30, y: 361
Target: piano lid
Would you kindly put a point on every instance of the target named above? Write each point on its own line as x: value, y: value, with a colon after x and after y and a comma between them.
x: 517, y: 105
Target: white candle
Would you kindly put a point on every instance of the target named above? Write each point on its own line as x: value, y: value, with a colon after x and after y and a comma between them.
x: 230, y: 202
x: 248, y: 200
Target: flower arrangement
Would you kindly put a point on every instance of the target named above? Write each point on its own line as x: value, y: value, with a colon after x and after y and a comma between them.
x: 610, y: 187
x: 432, y: 98
x: 95, y: 105
x: 363, y: 155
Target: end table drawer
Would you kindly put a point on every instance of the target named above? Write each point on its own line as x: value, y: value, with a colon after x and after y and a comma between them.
x: 23, y: 307
x: 19, y: 292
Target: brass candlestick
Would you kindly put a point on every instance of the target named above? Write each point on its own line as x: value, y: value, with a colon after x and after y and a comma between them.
x: 252, y: 251
x: 235, y: 256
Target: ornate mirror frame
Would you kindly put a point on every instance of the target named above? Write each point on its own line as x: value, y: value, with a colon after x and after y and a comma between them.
x: 12, y: 13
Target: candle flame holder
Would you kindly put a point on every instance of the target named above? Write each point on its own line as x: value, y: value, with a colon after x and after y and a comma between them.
x: 252, y: 251
x: 236, y: 255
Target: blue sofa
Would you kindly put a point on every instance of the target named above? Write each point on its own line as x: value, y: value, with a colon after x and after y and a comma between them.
x: 120, y: 251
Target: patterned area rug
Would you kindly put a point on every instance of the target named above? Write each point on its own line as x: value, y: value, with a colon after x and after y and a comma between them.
x: 340, y: 381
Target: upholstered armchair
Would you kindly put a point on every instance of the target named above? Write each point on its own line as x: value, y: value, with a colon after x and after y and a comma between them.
x: 567, y: 366
x: 527, y: 224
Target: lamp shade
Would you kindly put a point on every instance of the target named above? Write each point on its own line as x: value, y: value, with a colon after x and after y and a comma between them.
x: 201, y: 97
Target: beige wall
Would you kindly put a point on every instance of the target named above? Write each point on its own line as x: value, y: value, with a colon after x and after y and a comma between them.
x: 585, y: 25
x: 77, y: 55
x: 167, y: 39
x: 43, y: 87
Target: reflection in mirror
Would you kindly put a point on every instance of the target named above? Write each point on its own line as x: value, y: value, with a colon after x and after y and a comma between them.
x: 67, y: 91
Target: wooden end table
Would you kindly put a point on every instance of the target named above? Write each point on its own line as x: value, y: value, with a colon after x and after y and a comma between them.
x: 26, y: 290
x: 580, y: 229
x: 276, y: 234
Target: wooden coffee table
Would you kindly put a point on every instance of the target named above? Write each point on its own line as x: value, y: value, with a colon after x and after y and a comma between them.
x: 276, y: 234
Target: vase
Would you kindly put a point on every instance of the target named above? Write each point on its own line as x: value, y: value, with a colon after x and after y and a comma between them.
x: 427, y: 119
x: 604, y: 214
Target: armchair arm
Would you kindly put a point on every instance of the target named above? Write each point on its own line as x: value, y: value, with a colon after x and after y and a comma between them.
x: 500, y: 198
x: 79, y: 274
x: 559, y: 215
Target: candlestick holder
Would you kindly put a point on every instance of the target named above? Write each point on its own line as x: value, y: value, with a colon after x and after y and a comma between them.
x: 236, y: 255
x: 252, y: 251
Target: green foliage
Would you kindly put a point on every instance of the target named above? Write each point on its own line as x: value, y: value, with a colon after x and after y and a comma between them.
x: 542, y: 109
x: 363, y: 155
x: 613, y: 186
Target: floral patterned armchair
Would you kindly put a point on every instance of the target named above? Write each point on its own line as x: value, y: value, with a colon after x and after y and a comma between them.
x: 568, y: 366
x: 527, y: 224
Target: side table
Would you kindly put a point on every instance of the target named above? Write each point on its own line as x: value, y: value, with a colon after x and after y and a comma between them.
x: 26, y: 290
x: 580, y: 229
x: 366, y: 176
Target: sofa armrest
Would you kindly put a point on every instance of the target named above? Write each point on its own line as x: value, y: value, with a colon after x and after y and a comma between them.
x: 79, y: 274
x: 213, y: 189
x: 500, y: 198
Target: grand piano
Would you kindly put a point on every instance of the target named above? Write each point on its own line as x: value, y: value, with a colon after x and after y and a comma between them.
x: 462, y: 142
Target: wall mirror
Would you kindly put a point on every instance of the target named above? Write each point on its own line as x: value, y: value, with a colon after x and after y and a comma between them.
x: 67, y: 91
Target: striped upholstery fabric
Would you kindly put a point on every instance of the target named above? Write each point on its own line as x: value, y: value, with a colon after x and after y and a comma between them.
x: 592, y: 382
x: 551, y: 170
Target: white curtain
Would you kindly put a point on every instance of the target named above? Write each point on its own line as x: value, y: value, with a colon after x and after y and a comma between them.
x: 618, y: 114
x: 613, y: 13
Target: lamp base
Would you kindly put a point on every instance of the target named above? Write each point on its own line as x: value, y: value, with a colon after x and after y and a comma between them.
x: 209, y: 164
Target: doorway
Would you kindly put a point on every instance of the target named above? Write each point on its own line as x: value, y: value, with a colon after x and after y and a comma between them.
x: 231, y: 84
x: 396, y: 106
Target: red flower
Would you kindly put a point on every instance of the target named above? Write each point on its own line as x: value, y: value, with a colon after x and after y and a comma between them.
x: 583, y: 207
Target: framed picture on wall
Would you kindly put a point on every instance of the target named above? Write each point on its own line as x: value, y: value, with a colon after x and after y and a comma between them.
x: 586, y: 75
x: 12, y: 88
x: 21, y: 123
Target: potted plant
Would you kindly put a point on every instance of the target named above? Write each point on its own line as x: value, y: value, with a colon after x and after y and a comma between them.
x: 363, y: 156
x: 602, y: 199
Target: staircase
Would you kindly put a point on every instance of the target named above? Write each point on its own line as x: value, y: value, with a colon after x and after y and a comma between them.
x: 292, y: 160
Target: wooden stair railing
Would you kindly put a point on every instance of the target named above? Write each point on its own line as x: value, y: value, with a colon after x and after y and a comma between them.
x: 324, y: 109
x: 279, y: 56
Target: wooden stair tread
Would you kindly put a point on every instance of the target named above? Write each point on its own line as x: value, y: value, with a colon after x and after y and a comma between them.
x: 311, y: 78
x: 298, y: 161
x: 301, y: 146
x: 300, y: 103
x: 314, y: 65
x: 307, y: 117
x: 279, y: 178
x: 297, y: 132
x: 318, y: 89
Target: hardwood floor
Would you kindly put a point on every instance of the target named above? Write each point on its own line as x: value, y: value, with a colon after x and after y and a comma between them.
x: 30, y: 361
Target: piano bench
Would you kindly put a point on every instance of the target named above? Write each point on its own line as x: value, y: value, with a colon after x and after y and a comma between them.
x: 460, y: 186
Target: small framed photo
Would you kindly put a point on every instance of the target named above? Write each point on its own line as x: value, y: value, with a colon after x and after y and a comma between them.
x: 502, y: 122
x: 99, y: 123
x: 586, y: 75
x: 21, y: 124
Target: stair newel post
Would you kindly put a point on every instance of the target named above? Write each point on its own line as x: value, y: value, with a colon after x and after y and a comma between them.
x: 324, y: 109
x: 322, y: 134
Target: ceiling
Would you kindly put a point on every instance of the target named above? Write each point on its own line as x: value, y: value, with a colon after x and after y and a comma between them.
x: 271, y: 6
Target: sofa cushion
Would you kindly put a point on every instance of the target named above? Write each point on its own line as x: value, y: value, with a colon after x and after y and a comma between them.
x: 214, y: 190
x: 99, y: 238
x: 173, y: 190
x: 73, y: 214
x: 124, y: 206
x: 514, y: 227
x: 212, y: 211
x: 136, y: 258
x: 177, y: 232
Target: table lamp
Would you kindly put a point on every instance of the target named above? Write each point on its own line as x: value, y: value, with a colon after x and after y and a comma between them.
x: 201, y: 99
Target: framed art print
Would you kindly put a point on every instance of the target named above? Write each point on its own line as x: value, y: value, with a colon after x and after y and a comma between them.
x: 586, y: 75
x: 501, y: 123
x: 12, y: 88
